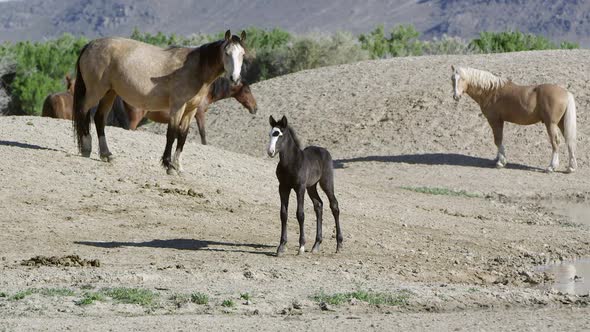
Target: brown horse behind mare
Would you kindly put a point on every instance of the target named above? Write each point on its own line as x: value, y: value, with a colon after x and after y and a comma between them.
x: 220, y: 89
x: 151, y: 78
x: 60, y: 105
x: 501, y: 100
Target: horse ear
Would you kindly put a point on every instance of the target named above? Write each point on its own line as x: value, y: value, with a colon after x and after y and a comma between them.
x: 243, y: 36
x: 453, y: 68
x: 272, y: 121
x: 227, y: 35
x: 68, y: 78
x: 284, y: 122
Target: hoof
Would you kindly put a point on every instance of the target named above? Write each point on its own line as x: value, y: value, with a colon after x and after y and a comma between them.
x: 107, y: 158
x: 301, y: 250
x: 549, y: 169
x: 500, y: 165
x: 570, y: 170
x: 339, y: 248
x: 315, y: 249
x: 86, y: 153
x: 280, y: 250
x: 171, y: 171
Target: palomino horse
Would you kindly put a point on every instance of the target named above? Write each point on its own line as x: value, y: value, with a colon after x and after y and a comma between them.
x: 501, y: 100
x: 151, y: 78
x: 301, y: 170
x: 220, y: 89
x: 60, y: 105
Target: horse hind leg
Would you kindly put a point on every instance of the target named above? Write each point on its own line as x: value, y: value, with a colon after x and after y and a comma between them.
x: 553, y: 132
x: 182, y: 134
x: 327, y: 185
x: 100, y: 119
x: 317, y: 206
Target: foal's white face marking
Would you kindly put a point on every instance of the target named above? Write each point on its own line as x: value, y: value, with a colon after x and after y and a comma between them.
x: 275, y: 133
x: 234, y: 56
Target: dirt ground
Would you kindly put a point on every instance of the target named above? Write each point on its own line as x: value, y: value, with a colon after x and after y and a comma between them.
x: 462, y: 260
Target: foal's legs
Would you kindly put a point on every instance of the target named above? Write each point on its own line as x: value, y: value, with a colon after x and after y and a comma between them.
x: 201, y: 124
x: 327, y: 184
x: 554, y: 140
x: 317, y: 206
x: 301, y: 217
x: 498, y: 130
x: 100, y: 118
x: 284, y: 192
x: 176, y: 113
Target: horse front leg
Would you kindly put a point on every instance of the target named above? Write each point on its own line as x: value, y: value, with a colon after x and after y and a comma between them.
x: 176, y: 113
x: 284, y: 192
x: 498, y: 130
x: 301, y: 218
x: 182, y: 134
x: 553, y: 132
x: 201, y: 124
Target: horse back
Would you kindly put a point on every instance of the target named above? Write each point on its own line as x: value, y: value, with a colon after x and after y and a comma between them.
x: 59, y: 106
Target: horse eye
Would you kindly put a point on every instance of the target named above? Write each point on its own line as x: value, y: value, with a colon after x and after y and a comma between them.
x: 276, y: 133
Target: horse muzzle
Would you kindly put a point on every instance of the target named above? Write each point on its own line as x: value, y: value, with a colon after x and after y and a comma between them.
x: 271, y: 153
x: 253, y: 110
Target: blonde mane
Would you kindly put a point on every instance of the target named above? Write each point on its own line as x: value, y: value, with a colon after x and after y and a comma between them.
x: 482, y: 79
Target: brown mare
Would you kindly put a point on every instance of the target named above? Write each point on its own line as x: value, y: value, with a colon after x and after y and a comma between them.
x: 501, y: 100
x: 60, y: 105
x: 151, y: 78
x: 220, y: 89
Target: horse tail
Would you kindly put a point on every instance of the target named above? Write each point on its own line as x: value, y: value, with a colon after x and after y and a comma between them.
x: 80, y: 116
x: 569, y: 122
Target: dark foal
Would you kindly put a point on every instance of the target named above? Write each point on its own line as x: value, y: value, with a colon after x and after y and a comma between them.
x: 299, y: 170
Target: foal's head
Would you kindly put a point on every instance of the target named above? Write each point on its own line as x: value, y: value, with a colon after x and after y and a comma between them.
x: 233, y: 55
x: 459, y: 83
x: 277, y: 135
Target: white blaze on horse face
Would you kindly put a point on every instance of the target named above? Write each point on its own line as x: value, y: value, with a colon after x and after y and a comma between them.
x: 275, y: 133
x: 456, y: 90
x: 234, y: 58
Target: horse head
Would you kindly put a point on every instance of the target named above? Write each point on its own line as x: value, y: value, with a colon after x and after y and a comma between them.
x: 233, y: 55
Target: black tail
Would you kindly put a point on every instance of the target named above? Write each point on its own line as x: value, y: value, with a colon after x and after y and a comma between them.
x: 80, y: 116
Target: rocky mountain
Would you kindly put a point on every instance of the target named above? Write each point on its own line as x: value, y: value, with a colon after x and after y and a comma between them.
x: 38, y: 19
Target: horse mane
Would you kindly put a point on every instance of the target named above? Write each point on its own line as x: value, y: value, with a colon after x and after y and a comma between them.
x: 482, y: 79
x: 220, y: 87
x: 294, y: 136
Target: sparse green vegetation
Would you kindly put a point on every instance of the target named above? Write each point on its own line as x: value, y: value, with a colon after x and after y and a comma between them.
x: 21, y: 295
x: 55, y: 292
x: 441, y: 191
x: 199, y: 298
x: 139, y: 296
x: 245, y: 296
x: 228, y: 303
x: 90, y: 297
x: 399, y: 298
x: 3, y: 294
x: 515, y: 41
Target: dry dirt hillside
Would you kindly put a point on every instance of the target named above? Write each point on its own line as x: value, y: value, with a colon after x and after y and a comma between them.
x: 464, y: 259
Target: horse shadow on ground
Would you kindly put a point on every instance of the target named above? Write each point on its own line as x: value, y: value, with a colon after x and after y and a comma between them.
x: 26, y: 146
x: 449, y: 159
x: 185, y: 244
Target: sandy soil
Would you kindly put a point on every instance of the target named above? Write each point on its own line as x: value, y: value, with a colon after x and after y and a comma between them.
x: 463, y: 261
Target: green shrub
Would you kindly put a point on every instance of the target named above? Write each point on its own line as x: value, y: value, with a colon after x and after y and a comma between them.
x: 514, y: 41
x: 402, y: 41
x: 41, y: 68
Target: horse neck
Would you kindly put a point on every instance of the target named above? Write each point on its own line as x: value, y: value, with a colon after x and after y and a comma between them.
x: 210, y: 63
x: 290, y: 154
x: 480, y: 95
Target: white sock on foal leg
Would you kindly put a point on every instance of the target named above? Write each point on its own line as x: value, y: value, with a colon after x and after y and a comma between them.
x: 554, y: 162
